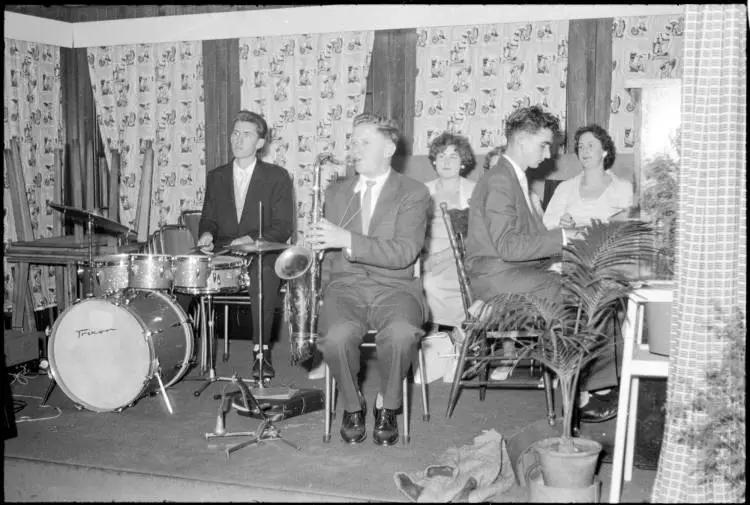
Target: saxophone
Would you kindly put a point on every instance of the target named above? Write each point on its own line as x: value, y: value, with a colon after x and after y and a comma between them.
x: 300, y: 266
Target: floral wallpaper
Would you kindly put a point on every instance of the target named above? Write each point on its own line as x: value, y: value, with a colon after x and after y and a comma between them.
x: 308, y: 88
x: 647, y: 47
x: 32, y: 113
x: 153, y: 92
x: 470, y: 78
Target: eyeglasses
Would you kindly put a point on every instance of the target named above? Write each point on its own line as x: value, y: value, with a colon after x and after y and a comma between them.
x: 242, y: 135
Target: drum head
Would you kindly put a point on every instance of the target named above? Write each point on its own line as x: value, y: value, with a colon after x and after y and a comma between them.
x: 99, y: 354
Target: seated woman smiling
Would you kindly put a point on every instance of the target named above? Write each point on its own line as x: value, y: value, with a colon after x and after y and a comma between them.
x: 452, y: 157
x: 595, y: 193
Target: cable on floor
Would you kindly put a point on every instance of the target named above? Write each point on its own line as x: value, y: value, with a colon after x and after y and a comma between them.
x: 27, y: 419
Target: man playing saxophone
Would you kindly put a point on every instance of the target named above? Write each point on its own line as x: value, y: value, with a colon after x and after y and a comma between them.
x: 374, y: 229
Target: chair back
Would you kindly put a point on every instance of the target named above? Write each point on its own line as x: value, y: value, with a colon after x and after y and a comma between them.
x: 457, y: 223
x: 191, y: 219
x: 171, y: 239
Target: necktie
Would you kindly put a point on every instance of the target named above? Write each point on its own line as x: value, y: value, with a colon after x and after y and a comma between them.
x: 366, y: 206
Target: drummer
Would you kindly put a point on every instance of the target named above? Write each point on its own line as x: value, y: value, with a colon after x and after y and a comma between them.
x: 230, y: 216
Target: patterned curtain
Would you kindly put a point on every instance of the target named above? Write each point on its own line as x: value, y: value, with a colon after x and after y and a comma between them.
x: 33, y: 115
x: 153, y: 92
x: 646, y: 47
x: 712, y: 231
x: 470, y: 78
x: 308, y: 88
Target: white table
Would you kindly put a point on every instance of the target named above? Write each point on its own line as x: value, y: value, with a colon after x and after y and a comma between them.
x: 637, y: 362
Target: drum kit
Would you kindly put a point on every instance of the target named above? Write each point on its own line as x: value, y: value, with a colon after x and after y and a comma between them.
x: 129, y: 331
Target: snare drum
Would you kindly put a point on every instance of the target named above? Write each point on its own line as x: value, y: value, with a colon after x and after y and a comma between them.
x: 150, y: 271
x: 104, y: 353
x: 198, y: 275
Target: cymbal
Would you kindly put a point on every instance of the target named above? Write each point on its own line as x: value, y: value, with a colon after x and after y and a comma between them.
x: 84, y: 215
x: 259, y: 246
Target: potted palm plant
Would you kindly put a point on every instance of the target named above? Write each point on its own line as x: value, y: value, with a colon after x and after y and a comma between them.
x: 576, y: 328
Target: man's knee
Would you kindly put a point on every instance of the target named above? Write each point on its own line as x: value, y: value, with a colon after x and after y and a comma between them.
x: 341, y: 334
x: 401, y: 333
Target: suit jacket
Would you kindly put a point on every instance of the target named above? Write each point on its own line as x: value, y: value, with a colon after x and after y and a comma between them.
x: 397, y: 233
x: 503, y: 232
x: 269, y: 184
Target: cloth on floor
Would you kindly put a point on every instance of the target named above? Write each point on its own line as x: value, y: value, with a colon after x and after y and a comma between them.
x: 472, y: 473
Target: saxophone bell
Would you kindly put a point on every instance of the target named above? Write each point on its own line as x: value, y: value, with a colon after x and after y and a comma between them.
x: 294, y: 262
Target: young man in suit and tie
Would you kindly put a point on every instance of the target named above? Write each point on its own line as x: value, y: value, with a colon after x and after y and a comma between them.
x: 231, y: 213
x: 374, y: 228
x: 508, y: 248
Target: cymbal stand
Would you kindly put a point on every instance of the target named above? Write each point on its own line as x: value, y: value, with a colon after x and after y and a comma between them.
x: 265, y: 432
x: 90, y: 227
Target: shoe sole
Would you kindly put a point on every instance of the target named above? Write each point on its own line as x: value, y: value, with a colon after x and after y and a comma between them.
x: 353, y: 442
x: 599, y: 419
x: 386, y: 443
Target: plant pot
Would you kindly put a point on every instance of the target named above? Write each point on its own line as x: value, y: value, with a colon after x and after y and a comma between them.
x: 539, y: 492
x: 657, y: 322
x: 568, y: 470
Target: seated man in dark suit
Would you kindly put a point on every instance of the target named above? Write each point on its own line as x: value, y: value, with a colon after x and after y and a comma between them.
x: 376, y: 224
x: 508, y: 248
x: 230, y: 213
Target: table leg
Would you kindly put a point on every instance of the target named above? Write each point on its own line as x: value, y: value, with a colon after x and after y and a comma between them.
x: 23, y: 303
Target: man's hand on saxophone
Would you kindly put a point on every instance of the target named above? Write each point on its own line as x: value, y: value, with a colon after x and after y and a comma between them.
x: 326, y: 235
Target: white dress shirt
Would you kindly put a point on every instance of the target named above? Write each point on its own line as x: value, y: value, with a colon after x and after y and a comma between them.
x: 241, y: 183
x: 361, y: 186
x: 521, y: 174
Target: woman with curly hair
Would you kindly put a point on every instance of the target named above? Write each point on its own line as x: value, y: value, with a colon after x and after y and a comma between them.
x: 595, y: 193
x: 453, y: 158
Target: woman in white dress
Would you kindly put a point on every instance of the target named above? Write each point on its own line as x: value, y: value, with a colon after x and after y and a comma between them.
x: 595, y: 193
x: 453, y: 158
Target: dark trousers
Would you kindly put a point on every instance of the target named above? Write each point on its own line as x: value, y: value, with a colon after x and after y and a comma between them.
x: 348, y: 312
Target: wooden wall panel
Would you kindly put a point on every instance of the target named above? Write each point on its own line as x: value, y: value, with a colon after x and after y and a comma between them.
x: 392, y: 76
x: 589, y: 74
x: 221, y: 90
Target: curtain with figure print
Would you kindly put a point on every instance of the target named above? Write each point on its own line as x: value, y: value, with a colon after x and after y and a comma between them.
x: 308, y: 88
x: 470, y: 78
x: 33, y: 115
x: 645, y: 47
x: 153, y: 92
x: 711, y: 257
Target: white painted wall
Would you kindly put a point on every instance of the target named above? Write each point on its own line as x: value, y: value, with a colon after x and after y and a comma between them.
x: 295, y: 21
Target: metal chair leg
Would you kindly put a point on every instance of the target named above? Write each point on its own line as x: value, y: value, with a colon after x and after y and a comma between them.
x: 328, y: 393
x: 423, y: 377
x: 405, y: 407
x: 483, y: 374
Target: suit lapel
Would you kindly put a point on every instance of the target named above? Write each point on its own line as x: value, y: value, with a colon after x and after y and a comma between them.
x: 386, y: 200
x: 521, y: 199
x: 227, y: 177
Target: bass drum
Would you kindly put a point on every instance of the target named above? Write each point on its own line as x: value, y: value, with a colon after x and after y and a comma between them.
x: 104, y: 353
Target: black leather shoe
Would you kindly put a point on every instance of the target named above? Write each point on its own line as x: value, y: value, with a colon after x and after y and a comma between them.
x: 353, y: 424
x: 268, y: 371
x: 600, y: 408
x: 386, y: 427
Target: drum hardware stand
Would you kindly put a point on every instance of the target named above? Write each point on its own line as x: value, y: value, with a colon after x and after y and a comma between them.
x: 207, y: 347
x: 265, y: 432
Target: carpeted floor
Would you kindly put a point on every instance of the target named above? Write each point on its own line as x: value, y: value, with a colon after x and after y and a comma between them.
x: 146, y: 454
